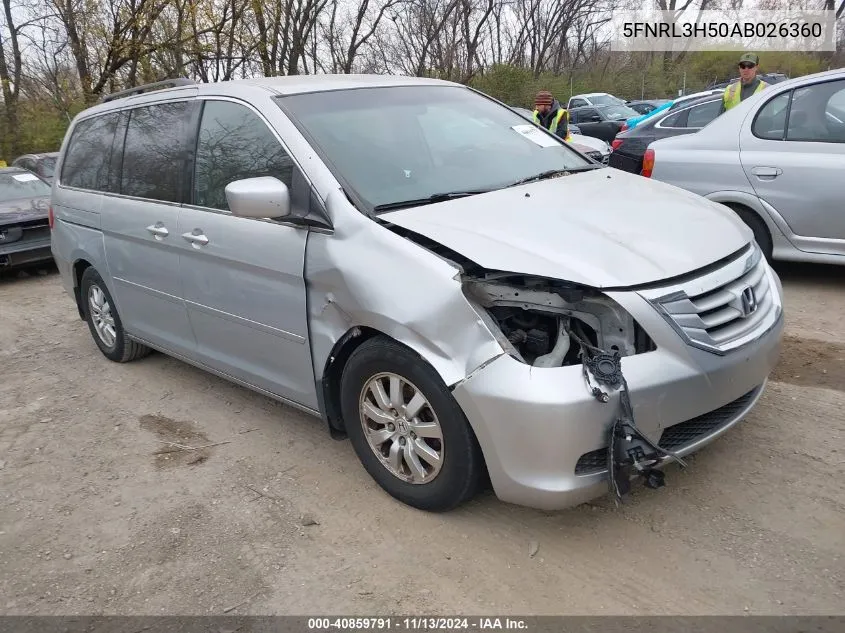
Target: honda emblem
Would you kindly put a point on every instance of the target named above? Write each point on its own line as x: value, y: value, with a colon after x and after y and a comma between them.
x: 749, y: 301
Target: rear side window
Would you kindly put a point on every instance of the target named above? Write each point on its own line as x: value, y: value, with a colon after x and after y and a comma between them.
x: 701, y: 115
x: 154, y: 152
x: 86, y: 161
x: 770, y: 122
x: 679, y: 119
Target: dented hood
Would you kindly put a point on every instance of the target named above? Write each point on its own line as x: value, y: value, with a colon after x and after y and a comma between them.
x: 603, y: 228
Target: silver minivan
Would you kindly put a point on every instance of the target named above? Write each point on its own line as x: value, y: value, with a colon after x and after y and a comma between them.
x: 458, y: 292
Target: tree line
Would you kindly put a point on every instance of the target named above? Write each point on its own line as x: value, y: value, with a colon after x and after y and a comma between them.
x: 59, y: 56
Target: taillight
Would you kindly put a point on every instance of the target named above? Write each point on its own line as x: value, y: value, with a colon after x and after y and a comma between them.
x: 648, y: 163
x: 614, y: 145
x: 50, y: 217
x: 624, y: 127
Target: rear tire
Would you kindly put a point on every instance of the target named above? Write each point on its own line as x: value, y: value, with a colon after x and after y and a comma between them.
x: 758, y: 226
x: 104, y: 322
x: 422, y: 451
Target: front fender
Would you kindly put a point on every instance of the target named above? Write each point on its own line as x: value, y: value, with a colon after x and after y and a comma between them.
x: 365, y: 275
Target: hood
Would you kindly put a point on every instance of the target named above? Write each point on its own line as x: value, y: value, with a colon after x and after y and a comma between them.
x: 591, y: 142
x: 604, y: 228
x: 14, y: 211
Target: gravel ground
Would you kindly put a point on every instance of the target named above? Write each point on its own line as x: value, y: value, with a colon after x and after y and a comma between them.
x: 276, y: 518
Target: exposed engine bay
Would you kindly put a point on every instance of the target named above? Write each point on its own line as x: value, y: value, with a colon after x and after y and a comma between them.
x: 541, y: 319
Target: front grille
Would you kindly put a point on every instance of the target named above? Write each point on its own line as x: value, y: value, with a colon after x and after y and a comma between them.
x: 678, y: 436
x: 599, y: 157
x: 721, y: 309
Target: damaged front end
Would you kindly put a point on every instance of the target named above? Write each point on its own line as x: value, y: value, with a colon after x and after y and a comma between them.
x: 548, y: 323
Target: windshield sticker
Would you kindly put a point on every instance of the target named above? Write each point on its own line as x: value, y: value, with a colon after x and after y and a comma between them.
x: 25, y: 177
x: 535, y: 135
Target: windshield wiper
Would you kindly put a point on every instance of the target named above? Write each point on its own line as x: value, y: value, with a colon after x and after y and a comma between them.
x: 552, y: 173
x: 432, y: 199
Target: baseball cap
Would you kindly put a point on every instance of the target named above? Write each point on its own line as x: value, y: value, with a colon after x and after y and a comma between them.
x: 749, y: 57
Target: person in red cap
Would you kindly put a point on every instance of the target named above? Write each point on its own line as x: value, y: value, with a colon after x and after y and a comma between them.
x: 550, y: 115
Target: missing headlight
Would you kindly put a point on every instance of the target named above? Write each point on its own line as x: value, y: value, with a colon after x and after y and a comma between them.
x: 537, y: 318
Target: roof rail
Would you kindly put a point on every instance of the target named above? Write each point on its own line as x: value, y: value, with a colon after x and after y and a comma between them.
x: 167, y: 83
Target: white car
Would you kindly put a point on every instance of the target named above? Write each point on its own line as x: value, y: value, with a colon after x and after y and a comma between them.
x: 593, y: 99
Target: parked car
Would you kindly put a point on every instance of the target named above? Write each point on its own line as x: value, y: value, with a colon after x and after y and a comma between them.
x: 333, y: 242
x: 593, y: 99
x: 595, y: 148
x: 646, y: 106
x: 24, y: 229
x: 602, y: 122
x: 776, y: 160
x: 630, y: 145
x: 42, y: 165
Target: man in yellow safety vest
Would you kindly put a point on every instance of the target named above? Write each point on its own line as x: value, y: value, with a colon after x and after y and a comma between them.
x: 747, y: 85
x: 550, y: 115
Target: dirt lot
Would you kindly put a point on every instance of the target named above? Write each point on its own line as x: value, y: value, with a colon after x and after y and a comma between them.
x: 96, y: 519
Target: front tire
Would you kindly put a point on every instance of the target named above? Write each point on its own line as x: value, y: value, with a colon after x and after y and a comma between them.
x: 104, y: 322
x: 406, y: 428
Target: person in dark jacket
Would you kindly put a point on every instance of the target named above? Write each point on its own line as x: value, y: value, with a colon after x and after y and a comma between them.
x: 550, y: 115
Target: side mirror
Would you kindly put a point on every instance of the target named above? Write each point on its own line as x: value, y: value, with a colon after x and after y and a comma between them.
x: 263, y: 197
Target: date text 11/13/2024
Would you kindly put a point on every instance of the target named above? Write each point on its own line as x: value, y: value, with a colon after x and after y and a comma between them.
x: 416, y: 623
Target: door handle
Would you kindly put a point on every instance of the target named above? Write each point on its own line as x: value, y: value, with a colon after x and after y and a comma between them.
x: 197, y: 239
x: 767, y: 172
x: 158, y: 230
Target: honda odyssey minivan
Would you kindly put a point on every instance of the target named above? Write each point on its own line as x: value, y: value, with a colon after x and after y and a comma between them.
x: 455, y: 290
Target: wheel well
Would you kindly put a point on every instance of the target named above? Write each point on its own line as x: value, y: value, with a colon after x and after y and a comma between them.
x: 329, y: 385
x: 745, y: 214
x: 328, y: 388
x: 79, y: 268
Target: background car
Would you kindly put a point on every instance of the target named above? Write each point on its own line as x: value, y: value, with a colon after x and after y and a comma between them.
x: 646, y: 106
x: 602, y: 122
x: 24, y: 224
x: 593, y: 99
x: 630, y: 145
x: 39, y: 164
x: 777, y: 160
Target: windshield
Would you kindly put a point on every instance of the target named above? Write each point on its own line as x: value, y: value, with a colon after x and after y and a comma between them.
x: 18, y: 185
x: 46, y: 167
x: 395, y: 144
x: 605, y: 100
x: 619, y: 112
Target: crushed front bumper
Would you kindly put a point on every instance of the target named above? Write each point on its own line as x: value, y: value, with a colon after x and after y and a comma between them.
x: 544, y: 435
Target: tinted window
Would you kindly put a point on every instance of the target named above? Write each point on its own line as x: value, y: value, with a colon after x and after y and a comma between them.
x: 577, y: 103
x: 817, y: 113
x: 46, y: 166
x: 154, y: 151
x: 86, y: 162
x: 701, y: 115
x: 679, y: 119
x: 770, y: 120
x: 234, y: 143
